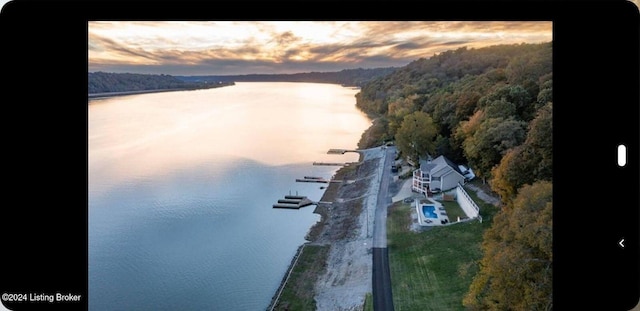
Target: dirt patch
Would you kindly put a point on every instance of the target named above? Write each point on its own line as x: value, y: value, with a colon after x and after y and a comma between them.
x: 485, y: 194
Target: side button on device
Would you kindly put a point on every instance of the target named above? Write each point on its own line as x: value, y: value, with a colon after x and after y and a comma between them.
x: 622, y: 155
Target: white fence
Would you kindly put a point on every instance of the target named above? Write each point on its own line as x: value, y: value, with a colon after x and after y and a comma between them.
x: 466, y: 203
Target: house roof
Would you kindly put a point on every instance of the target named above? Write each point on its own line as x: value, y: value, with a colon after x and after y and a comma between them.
x: 439, y: 166
x: 427, y: 166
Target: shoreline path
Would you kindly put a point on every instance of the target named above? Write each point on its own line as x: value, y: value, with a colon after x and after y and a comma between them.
x: 381, y: 285
x: 355, y: 229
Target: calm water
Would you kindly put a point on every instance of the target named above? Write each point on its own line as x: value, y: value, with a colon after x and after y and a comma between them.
x: 181, y: 187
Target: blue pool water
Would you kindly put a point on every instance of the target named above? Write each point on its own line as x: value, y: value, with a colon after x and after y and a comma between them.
x: 429, y: 211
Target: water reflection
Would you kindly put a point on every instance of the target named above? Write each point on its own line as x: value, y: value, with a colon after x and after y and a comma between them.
x: 272, y: 123
x: 181, y: 186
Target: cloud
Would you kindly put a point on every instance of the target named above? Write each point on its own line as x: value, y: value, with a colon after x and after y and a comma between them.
x: 289, y: 47
x: 286, y: 38
x: 407, y: 46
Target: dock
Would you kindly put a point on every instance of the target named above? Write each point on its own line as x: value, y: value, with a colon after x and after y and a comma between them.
x: 329, y: 163
x: 293, y: 202
x: 340, y: 151
x: 312, y: 179
x: 336, y: 151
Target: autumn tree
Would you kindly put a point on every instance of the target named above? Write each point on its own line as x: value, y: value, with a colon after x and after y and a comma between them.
x: 516, y: 268
x: 531, y: 161
x: 540, y: 140
x: 375, y: 135
x: 415, y: 137
x: 516, y: 96
x: 509, y: 174
x: 398, y: 109
x: 524, y: 68
x: 486, y: 140
x: 546, y: 91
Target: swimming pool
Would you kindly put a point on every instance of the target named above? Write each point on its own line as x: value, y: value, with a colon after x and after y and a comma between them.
x: 429, y: 211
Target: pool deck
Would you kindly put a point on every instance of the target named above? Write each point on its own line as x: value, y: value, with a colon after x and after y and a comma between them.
x: 427, y: 221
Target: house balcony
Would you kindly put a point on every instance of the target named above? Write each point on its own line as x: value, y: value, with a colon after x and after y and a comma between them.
x: 418, y: 176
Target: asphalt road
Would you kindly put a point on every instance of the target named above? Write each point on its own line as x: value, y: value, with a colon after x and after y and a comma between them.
x: 380, y: 221
x: 382, y: 295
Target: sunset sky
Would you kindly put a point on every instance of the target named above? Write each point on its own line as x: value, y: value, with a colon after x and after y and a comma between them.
x: 232, y: 47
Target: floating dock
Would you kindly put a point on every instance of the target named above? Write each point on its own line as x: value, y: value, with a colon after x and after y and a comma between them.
x: 315, y: 179
x: 340, y: 151
x: 289, y: 201
x: 329, y: 163
x: 336, y: 151
x: 293, y: 202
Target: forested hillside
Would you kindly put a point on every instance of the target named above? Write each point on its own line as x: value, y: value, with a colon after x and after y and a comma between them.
x: 490, y: 108
x: 103, y: 82
x: 347, y: 77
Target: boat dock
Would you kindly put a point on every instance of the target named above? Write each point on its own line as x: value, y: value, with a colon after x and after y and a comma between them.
x: 293, y: 202
x: 298, y: 201
x: 329, y: 163
x: 312, y: 179
x: 340, y: 151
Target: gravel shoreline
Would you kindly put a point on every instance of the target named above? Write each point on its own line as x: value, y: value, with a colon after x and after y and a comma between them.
x: 346, y: 226
x: 348, y: 278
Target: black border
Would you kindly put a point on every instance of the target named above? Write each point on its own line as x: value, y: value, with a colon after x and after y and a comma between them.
x: 596, y: 107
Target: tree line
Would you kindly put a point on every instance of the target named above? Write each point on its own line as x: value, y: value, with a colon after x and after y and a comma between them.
x: 104, y: 82
x: 347, y: 77
x: 491, y: 108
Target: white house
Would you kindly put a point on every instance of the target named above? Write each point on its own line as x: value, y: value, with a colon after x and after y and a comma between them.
x: 439, y: 174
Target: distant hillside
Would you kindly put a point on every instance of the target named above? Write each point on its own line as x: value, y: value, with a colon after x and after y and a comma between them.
x: 347, y: 77
x: 104, y: 82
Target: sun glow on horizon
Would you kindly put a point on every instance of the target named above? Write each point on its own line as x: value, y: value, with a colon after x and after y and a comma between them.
x: 234, y: 47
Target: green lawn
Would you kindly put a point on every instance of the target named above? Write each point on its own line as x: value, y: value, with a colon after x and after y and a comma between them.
x: 368, y: 302
x: 298, y: 294
x: 432, y: 270
x: 453, y: 210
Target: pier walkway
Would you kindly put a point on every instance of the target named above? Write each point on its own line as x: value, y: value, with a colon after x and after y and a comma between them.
x: 293, y: 202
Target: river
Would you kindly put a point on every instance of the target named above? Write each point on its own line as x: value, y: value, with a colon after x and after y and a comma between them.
x: 181, y: 188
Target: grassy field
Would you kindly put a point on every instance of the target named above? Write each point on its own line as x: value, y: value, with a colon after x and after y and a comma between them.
x: 432, y: 270
x: 299, y: 292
